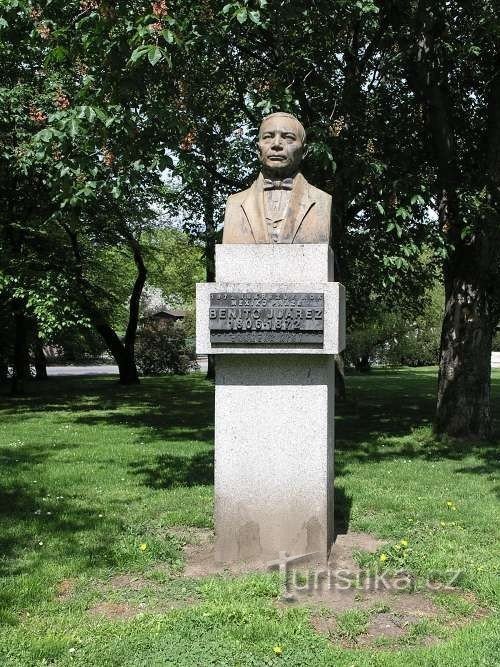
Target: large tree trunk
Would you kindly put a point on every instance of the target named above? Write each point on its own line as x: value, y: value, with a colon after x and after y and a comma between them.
x: 21, y: 366
x: 463, y: 401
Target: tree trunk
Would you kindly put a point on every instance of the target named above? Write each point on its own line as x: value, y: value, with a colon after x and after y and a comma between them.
x: 124, y: 355
x: 40, y: 360
x: 21, y: 366
x: 123, y: 352
x: 462, y: 408
x: 4, y: 372
x: 463, y: 402
x: 128, y: 368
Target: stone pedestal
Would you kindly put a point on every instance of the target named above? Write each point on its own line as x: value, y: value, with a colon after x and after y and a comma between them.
x: 274, y: 411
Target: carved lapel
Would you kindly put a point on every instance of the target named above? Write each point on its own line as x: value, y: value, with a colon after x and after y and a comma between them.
x: 300, y: 203
x: 253, y: 206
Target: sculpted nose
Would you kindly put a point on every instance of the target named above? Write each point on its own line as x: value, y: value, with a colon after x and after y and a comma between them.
x: 276, y: 144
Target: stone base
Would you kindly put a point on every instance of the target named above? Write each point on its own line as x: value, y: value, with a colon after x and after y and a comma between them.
x: 274, y: 420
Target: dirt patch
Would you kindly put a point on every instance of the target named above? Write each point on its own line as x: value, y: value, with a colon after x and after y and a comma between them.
x: 130, y: 582
x: 385, y: 629
x: 338, y: 600
x: 115, y: 610
x: 192, y: 534
x: 341, y: 557
x: 200, y: 562
x: 65, y: 589
x: 199, y: 553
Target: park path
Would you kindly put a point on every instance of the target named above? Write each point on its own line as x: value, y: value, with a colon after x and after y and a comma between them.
x: 101, y: 369
x: 110, y: 369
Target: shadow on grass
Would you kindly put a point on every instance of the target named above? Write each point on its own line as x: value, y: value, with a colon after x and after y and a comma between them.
x: 382, y: 408
x: 171, y: 471
x: 383, y: 417
x: 174, y: 407
x: 49, y: 529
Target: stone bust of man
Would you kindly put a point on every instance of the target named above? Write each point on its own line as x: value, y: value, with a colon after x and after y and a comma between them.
x: 280, y: 206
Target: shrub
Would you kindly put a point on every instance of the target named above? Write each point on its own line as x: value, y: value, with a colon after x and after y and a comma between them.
x: 393, y: 337
x: 162, y: 348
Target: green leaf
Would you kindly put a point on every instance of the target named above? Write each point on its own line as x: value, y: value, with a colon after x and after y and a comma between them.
x: 380, y: 208
x: 44, y: 135
x: 242, y: 14
x: 74, y: 127
x: 3, y: 23
x: 139, y: 52
x: 100, y: 114
x: 58, y: 54
x: 154, y: 54
x: 168, y: 36
x: 402, y: 212
x: 255, y: 17
x: 227, y: 7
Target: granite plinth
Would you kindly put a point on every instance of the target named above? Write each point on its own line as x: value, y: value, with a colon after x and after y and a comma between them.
x: 274, y: 263
x: 274, y: 411
x: 274, y: 419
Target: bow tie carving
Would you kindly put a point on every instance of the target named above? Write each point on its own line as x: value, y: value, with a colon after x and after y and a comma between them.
x: 286, y: 184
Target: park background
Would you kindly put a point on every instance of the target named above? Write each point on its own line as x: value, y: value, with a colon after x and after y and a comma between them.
x: 124, y: 126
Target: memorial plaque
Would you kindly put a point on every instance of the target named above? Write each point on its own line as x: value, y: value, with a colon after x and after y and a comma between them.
x: 283, y: 318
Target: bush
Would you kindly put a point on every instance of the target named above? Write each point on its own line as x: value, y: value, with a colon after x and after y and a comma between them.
x: 162, y: 348
x: 394, y: 338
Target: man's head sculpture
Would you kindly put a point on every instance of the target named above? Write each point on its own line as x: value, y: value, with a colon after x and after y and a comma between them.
x: 280, y: 206
x: 281, y: 145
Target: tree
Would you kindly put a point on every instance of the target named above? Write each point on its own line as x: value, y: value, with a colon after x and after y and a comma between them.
x: 80, y: 149
x: 175, y: 265
x: 452, y: 58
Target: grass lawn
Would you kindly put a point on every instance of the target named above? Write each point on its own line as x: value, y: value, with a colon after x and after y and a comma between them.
x: 95, y: 477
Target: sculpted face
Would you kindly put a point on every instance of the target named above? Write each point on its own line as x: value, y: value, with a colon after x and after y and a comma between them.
x: 280, y: 146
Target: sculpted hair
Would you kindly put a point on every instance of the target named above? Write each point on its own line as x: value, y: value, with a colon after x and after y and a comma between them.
x: 302, y: 131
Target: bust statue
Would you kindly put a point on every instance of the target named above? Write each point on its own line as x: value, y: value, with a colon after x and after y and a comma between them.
x: 280, y: 206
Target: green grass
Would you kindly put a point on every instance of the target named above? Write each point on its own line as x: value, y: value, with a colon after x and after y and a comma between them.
x: 351, y: 623
x: 90, y: 471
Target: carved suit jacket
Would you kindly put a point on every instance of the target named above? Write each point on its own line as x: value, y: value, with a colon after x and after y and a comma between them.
x: 307, y: 218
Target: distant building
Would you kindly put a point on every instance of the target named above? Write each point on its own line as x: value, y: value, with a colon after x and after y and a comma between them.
x: 164, y: 316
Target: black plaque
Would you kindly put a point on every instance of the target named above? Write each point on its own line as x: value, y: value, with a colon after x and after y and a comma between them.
x: 280, y: 318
